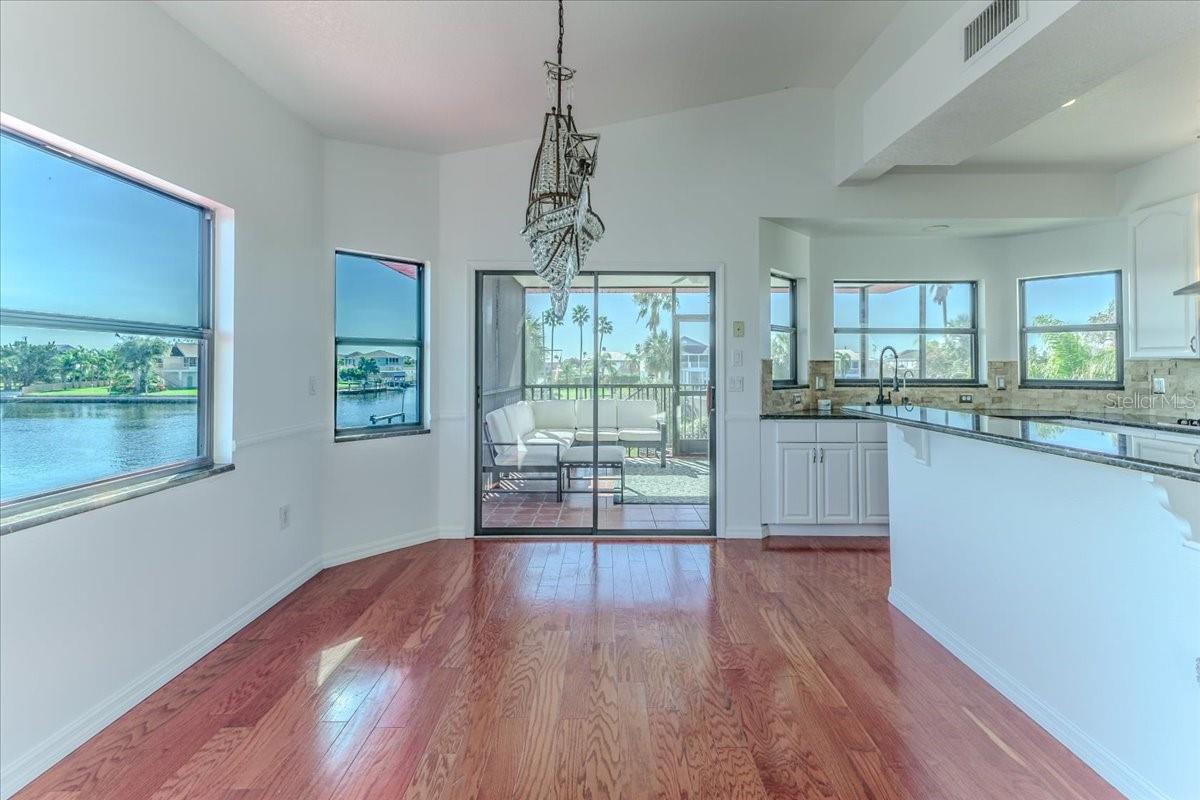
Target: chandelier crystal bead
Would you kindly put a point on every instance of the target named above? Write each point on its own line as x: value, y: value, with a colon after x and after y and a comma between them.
x: 560, y: 226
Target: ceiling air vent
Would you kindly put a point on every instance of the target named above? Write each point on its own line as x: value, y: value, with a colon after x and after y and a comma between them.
x: 991, y: 22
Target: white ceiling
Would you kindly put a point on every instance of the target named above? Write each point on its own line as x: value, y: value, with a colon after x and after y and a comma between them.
x: 448, y: 76
x: 959, y: 228
x: 1151, y: 109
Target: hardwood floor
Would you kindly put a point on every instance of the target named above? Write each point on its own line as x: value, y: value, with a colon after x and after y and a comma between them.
x: 580, y: 669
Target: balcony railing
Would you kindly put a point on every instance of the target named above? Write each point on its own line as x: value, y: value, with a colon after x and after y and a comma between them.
x: 686, y: 430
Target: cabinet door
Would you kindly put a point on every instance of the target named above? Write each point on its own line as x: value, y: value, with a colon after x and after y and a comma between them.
x: 1164, y: 259
x: 797, y: 489
x: 872, y: 483
x: 837, y: 484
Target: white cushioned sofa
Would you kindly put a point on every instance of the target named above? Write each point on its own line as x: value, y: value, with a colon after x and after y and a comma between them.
x: 529, y: 435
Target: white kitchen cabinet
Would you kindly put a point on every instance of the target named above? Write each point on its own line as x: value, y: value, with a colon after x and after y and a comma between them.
x: 1166, y: 257
x: 820, y: 477
x: 872, y: 483
x: 797, y: 495
x: 837, y: 484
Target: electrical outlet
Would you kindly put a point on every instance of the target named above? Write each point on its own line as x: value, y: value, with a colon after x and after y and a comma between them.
x: 737, y: 383
x: 1158, y: 385
x: 739, y: 329
x: 285, y: 516
x: 1001, y: 383
x: 797, y: 399
x: 966, y: 398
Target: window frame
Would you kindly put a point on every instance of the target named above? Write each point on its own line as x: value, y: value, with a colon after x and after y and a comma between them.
x: 201, y: 333
x: 792, y: 330
x: 1118, y: 329
x: 863, y: 330
x: 420, y: 343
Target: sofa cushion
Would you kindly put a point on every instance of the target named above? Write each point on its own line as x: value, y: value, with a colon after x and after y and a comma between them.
x: 554, y: 414
x: 637, y: 414
x: 533, y: 455
x: 499, y: 431
x: 520, y: 420
x: 586, y: 455
x: 606, y: 416
x: 601, y: 434
x: 649, y: 435
x: 562, y: 437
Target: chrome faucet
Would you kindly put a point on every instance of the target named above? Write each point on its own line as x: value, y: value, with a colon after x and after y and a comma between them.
x: 881, y: 400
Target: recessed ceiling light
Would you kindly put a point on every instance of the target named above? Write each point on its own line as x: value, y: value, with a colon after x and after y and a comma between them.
x: 1069, y: 103
x: 936, y: 228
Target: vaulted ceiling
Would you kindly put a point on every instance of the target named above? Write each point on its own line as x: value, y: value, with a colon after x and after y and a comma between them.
x: 449, y: 76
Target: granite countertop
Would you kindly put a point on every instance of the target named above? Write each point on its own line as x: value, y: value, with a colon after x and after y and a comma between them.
x: 809, y: 413
x: 1061, y: 434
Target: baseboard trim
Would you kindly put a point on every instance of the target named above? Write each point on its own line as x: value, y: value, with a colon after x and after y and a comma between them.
x: 828, y: 530
x: 741, y: 533
x: 398, y: 542
x: 1106, y: 763
x: 25, y: 768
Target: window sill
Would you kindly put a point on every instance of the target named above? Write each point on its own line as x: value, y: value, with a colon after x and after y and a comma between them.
x: 69, y: 508
x: 1103, y: 387
x: 358, y: 437
x: 783, y: 387
x: 911, y: 384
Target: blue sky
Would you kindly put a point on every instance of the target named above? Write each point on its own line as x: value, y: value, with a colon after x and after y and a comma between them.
x: 628, y: 330
x: 373, y: 301
x: 74, y: 240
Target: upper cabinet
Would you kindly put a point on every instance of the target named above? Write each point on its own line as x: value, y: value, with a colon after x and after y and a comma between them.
x: 1166, y: 257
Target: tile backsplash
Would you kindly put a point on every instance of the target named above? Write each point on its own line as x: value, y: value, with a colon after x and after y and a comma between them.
x: 1181, y: 399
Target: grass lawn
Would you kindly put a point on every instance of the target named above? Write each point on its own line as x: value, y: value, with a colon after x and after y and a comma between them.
x: 102, y: 391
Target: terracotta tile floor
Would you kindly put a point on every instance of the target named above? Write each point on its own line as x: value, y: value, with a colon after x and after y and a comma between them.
x: 533, y: 509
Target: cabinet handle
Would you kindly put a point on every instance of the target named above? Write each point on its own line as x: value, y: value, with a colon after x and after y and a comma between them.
x: 822, y: 455
x: 814, y: 452
x: 1192, y: 344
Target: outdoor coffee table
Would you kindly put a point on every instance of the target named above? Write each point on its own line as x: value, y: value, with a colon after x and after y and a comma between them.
x: 608, y: 456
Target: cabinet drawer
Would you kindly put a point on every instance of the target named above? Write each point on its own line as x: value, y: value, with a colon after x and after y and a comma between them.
x: 796, y: 431
x: 836, y: 432
x: 872, y: 432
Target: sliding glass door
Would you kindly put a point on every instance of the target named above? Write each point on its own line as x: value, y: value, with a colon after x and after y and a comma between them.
x: 598, y: 420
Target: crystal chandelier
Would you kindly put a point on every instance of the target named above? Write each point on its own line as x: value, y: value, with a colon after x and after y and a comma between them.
x: 560, y: 226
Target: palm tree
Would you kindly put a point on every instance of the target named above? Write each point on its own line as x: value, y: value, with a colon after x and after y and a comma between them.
x: 605, y: 327
x: 551, y: 319
x: 580, y: 317
x: 651, y: 305
x: 137, y: 355
x: 72, y: 364
x: 940, y: 291
x: 655, y: 355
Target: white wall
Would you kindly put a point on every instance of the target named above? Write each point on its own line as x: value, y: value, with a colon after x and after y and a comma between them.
x: 688, y: 188
x: 996, y: 262
x: 1076, y: 601
x: 786, y: 252
x: 1164, y: 178
x: 383, y: 201
x: 143, y: 586
x: 96, y: 609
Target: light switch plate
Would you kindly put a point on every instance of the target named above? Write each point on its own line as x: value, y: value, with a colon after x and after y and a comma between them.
x: 1001, y: 383
x: 739, y: 329
x: 736, y: 359
x: 819, y: 382
x: 1158, y: 385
